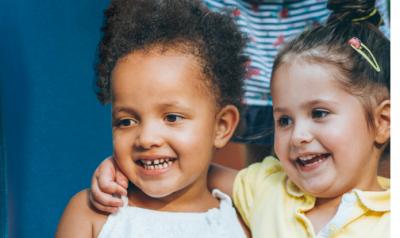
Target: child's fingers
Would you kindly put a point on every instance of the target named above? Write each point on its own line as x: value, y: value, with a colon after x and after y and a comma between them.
x: 101, y: 207
x: 105, y: 177
x: 119, y: 190
x: 121, y: 180
x: 103, y: 199
x: 109, y: 185
x: 105, y: 184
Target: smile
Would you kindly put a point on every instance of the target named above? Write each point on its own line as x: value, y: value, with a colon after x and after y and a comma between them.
x: 153, y: 164
x: 311, y: 160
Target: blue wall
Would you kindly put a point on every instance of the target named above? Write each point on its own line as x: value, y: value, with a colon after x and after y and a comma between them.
x: 55, y: 132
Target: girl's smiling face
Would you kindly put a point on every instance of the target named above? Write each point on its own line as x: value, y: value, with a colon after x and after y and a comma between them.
x: 164, y: 121
x: 322, y: 136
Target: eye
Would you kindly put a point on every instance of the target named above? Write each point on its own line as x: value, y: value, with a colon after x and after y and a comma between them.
x: 319, y: 113
x: 284, y: 121
x: 173, y: 118
x: 125, y: 122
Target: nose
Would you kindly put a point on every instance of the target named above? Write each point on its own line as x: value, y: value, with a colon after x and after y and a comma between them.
x: 301, y: 134
x: 149, y: 136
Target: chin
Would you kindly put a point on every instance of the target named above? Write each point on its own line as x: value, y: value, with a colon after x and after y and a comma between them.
x: 316, y: 188
x: 316, y: 192
x: 157, y: 193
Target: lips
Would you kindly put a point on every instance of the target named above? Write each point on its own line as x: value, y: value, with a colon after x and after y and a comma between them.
x: 311, y: 160
x: 156, y: 163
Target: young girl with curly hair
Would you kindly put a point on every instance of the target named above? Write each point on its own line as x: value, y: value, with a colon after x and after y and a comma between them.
x: 172, y: 71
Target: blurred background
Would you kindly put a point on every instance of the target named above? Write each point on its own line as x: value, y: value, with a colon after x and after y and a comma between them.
x: 54, y: 132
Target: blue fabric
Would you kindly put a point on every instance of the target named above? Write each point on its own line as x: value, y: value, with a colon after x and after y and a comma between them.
x: 55, y: 132
x: 3, y: 188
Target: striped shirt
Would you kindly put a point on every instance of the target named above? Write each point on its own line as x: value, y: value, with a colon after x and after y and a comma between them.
x: 268, y: 26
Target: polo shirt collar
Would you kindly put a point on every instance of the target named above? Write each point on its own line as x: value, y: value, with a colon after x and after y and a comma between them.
x: 378, y: 201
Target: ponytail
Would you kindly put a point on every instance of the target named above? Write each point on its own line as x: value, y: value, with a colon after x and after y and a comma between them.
x: 354, y: 11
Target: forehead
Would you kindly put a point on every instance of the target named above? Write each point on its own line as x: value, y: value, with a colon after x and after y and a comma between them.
x: 299, y: 80
x: 159, y: 73
x: 165, y: 59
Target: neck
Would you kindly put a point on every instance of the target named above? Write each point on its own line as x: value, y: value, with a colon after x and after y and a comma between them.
x: 370, y: 181
x: 190, y: 199
x: 367, y: 178
x: 332, y: 203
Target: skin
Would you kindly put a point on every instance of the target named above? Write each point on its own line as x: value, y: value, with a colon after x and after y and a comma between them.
x: 315, y: 116
x: 161, y: 109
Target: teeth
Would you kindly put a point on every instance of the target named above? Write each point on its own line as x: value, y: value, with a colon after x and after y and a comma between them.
x: 311, y: 159
x: 305, y: 158
x: 157, y: 163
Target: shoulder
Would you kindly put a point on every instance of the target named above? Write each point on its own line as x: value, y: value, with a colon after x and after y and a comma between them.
x: 259, y: 171
x: 384, y: 182
x: 266, y: 174
x: 80, y: 219
x: 254, y: 182
x: 80, y: 204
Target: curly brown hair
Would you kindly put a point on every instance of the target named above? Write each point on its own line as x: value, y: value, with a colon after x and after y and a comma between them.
x: 213, y: 38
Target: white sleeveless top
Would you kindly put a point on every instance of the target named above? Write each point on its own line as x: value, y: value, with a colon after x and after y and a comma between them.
x: 131, y: 222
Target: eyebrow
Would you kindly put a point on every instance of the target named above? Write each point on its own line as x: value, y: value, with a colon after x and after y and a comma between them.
x: 131, y: 111
x: 308, y: 104
x: 127, y: 110
x: 278, y: 109
x: 319, y: 101
x: 174, y: 105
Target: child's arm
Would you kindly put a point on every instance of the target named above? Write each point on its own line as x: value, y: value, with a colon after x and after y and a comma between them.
x: 221, y: 177
x: 108, y: 180
x: 79, y: 219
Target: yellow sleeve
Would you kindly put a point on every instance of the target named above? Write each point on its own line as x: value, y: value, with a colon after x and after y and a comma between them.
x: 245, y: 185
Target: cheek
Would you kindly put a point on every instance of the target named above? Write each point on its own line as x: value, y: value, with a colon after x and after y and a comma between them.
x: 195, y: 135
x: 281, y: 145
x: 122, y: 142
x: 193, y: 142
x: 344, y: 134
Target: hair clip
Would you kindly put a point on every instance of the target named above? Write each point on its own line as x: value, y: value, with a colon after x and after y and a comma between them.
x: 358, y: 46
x: 373, y: 12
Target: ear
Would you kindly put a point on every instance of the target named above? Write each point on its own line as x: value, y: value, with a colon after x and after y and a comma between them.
x: 225, y: 125
x: 382, y: 122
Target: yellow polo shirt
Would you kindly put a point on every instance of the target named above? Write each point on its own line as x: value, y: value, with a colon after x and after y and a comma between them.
x: 273, y: 206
